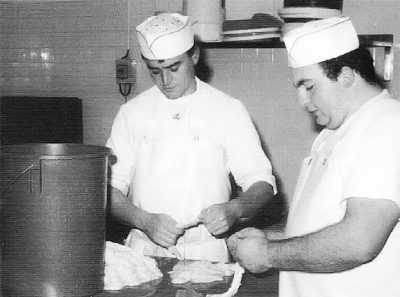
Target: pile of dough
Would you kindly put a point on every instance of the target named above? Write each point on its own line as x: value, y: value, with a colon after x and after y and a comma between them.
x: 199, y: 272
x: 124, y: 267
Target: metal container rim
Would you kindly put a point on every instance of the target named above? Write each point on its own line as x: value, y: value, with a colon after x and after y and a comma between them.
x: 46, y: 151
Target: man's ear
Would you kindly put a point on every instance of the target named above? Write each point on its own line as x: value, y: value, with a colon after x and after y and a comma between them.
x: 347, y: 77
x: 196, y: 55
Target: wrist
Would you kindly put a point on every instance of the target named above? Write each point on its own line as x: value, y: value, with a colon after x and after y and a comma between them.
x: 142, y: 219
x: 266, y: 257
x: 235, y: 209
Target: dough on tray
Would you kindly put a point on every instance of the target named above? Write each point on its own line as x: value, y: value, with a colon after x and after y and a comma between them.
x: 200, y: 272
x: 125, y: 267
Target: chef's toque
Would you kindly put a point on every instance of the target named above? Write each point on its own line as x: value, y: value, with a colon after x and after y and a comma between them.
x: 320, y: 40
x: 165, y: 36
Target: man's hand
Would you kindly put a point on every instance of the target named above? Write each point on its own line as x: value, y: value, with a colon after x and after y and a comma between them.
x: 162, y: 229
x: 249, y: 248
x: 218, y: 218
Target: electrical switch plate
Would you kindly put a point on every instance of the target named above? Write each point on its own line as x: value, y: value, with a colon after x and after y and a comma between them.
x: 125, y: 71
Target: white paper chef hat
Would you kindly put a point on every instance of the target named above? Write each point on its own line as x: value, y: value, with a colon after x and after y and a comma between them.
x: 320, y: 40
x: 165, y: 36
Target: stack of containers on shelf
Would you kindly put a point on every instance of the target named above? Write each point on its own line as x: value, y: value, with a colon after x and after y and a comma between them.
x: 207, y: 17
x: 296, y: 12
x: 260, y: 27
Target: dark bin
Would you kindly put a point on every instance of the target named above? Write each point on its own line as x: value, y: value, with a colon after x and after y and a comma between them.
x: 53, y: 202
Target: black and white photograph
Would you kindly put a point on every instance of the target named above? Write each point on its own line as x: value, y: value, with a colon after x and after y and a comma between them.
x: 199, y: 148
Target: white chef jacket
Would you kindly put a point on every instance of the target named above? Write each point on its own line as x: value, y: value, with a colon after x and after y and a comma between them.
x: 359, y: 159
x: 174, y: 157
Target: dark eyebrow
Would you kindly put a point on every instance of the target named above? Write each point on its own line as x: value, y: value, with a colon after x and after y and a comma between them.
x: 167, y: 67
x: 300, y: 83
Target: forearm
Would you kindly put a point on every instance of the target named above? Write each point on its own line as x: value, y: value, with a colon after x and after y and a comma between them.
x: 247, y: 205
x: 355, y: 240
x: 160, y: 228
x: 125, y: 211
x: 327, y: 251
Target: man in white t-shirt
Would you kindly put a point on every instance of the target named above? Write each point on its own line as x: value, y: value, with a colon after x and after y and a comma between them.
x: 176, y: 144
x: 342, y: 237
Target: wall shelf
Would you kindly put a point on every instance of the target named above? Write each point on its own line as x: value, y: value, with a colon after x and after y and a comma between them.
x: 384, y: 41
x: 370, y: 40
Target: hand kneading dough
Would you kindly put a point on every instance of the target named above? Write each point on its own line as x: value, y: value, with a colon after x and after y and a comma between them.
x: 124, y: 267
x: 200, y: 272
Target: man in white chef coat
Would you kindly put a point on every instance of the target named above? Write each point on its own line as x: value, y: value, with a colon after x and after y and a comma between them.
x: 176, y: 144
x: 342, y: 236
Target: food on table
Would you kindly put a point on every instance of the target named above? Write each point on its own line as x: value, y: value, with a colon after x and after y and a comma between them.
x: 124, y: 267
x: 199, y: 272
x: 207, y: 272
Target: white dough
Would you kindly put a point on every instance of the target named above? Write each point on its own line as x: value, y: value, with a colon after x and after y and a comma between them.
x: 125, y: 267
x: 200, y: 272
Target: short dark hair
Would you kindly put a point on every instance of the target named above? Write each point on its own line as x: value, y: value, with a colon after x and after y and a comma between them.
x: 360, y: 60
x: 190, y: 52
x: 192, y: 49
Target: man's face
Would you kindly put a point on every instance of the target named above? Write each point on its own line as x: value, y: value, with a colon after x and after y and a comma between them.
x: 175, y: 77
x: 322, y: 96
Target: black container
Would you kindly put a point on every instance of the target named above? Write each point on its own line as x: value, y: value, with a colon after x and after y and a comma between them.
x: 332, y: 4
x: 53, y: 219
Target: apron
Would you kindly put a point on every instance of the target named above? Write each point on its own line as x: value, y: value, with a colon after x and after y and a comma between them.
x: 179, y: 171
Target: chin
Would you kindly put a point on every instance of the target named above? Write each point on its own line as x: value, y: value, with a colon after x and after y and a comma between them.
x: 332, y: 126
x: 323, y: 122
x: 172, y: 95
x: 169, y: 96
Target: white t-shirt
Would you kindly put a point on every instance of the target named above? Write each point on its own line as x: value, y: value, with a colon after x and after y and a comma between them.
x: 360, y: 159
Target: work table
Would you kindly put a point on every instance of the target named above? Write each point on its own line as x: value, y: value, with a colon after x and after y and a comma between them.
x: 252, y: 285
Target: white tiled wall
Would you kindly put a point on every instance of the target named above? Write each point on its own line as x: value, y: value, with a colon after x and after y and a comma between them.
x: 235, y: 10
x: 68, y: 48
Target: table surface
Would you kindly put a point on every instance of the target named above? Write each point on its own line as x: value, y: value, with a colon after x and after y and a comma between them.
x: 252, y: 285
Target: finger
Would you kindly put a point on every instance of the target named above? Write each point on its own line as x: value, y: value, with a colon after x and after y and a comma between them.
x: 173, y: 227
x: 177, y: 230
x: 218, y: 227
x: 220, y: 231
x: 168, y: 240
x: 206, y: 216
x: 232, y: 244
x: 163, y: 242
x: 248, y: 232
x: 171, y: 236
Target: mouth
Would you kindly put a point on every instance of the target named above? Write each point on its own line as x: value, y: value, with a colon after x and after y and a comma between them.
x: 169, y: 89
x: 314, y: 112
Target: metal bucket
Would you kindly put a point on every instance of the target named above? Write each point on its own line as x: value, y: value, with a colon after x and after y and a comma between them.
x: 53, y: 201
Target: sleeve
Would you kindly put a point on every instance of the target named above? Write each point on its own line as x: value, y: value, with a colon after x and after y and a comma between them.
x: 375, y: 170
x: 120, y: 143
x: 246, y: 158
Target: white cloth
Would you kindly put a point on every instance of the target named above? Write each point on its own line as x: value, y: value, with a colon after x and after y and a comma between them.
x: 360, y: 159
x: 174, y: 157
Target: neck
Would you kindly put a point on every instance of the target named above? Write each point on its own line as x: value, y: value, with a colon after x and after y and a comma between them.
x: 191, y: 88
x: 360, y: 93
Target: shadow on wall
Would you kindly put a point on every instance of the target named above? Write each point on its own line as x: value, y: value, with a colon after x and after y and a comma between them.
x: 202, y: 68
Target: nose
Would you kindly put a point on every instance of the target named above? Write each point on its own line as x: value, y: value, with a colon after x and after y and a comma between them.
x: 303, y: 97
x: 166, y: 78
